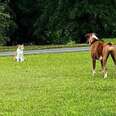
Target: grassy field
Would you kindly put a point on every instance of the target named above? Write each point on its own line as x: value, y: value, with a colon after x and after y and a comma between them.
x: 56, y: 85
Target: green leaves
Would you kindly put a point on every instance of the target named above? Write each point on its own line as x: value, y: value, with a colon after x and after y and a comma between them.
x: 5, y: 22
x: 41, y: 22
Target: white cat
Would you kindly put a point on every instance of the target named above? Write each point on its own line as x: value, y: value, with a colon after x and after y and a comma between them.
x: 20, y: 53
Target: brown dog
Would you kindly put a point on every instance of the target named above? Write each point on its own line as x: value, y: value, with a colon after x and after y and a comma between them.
x: 100, y: 51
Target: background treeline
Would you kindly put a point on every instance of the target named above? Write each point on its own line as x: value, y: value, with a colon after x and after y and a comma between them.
x: 55, y: 21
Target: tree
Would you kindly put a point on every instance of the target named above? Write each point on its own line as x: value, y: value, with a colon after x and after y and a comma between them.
x: 5, y: 24
x: 60, y: 21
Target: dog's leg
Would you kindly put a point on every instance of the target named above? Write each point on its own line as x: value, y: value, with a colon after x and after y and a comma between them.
x: 94, y: 65
x: 105, y: 74
x: 100, y: 58
x: 104, y: 69
x: 113, y: 55
x: 101, y: 66
x: 104, y: 66
x: 105, y: 57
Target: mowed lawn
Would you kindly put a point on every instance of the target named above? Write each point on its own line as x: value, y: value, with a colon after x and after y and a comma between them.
x: 56, y: 85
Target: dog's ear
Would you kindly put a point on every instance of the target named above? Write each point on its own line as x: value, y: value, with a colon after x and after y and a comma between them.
x: 87, y: 36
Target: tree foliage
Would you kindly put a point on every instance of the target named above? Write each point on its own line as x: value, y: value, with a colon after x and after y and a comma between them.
x: 61, y: 21
x: 7, y: 25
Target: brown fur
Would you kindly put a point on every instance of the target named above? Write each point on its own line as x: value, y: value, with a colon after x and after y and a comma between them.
x: 101, y: 51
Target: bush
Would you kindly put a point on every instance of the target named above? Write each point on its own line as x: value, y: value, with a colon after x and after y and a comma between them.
x: 7, y: 25
x: 71, y: 43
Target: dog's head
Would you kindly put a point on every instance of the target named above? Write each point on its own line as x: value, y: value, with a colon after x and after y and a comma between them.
x: 91, y: 37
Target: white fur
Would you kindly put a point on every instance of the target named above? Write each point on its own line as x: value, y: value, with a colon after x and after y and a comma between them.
x: 105, y: 75
x: 20, y: 53
x: 100, y: 58
x: 94, y: 72
x: 94, y: 36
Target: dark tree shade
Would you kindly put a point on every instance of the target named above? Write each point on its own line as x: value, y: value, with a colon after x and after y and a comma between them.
x: 61, y: 21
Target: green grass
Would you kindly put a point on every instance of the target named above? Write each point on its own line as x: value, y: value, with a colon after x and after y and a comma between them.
x: 112, y: 40
x: 56, y: 85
